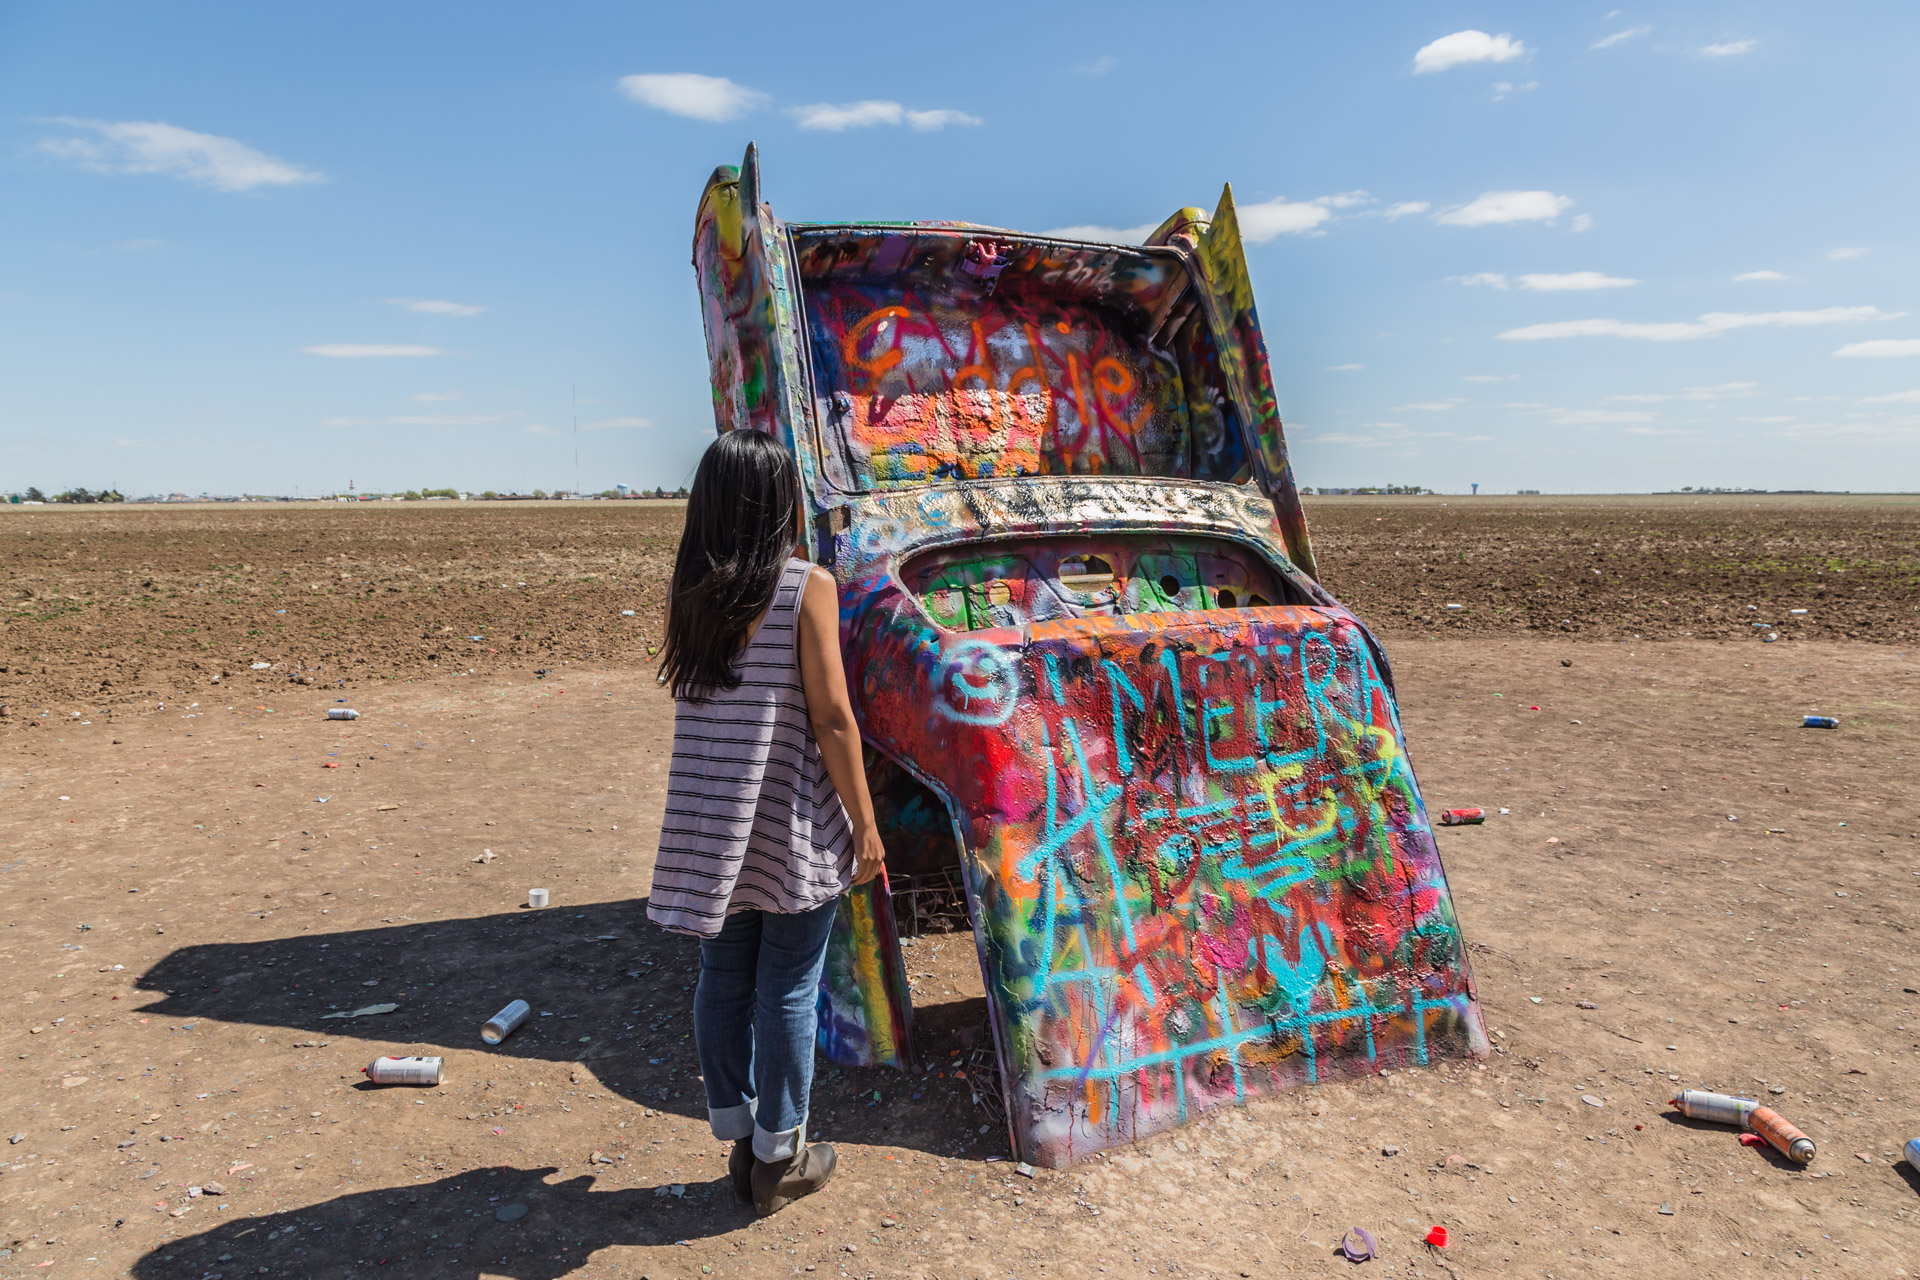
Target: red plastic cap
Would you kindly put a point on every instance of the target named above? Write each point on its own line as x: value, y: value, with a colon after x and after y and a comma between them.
x: 1437, y: 1237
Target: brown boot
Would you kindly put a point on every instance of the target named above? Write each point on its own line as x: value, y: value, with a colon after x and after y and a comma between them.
x: 777, y: 1184
x: 740, y: 1165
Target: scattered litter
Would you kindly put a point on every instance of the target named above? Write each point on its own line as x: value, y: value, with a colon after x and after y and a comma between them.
x: 342, y: 713
x: 416, y: 1070
x: 16, y: 1139
x: 486, y: 855
x: 1437, y: 1237
x: 263, y: 666
x: 510, y: 1213
x: 1665, y: 1208
x: 1863, y: 1157
x: 1389, y: 1151
x: 1798, y: 613
x: 1787, y: 1140
x: 367, y: 1012
x: 1024, y: 1169
x: 1591, y: 1101
x: 1358, y: 1244
x: 1820, y: 722
x: 1462, y: 817
x: 1454, y: 607
x: 241, y: 1167
x: 1585, y: 1004
x: 1752, y: 1140
x: 1913, y: 1155
x: 506, y: 1022
x: 599, y: 1157
x: 385, y: 808
x: 536, y: 897
x: 626, y: 613
x: 1714, y: 1108
x: 1764, y: 1122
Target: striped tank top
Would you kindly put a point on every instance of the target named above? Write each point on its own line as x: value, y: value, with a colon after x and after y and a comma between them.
x: 752, y: 820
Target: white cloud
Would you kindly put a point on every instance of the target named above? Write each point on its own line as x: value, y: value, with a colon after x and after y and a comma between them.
x: 1711, y: 323
x: 1502, y: 88
x: 1581, y: 222
x: 1463, y: 47
x: 1898, y: 397
x: 1492, y: 279
x: 607, y: 423
x: 1748, y: 277
x: 148, y: 146
x: 1345, y: 368
x: 433, y: 307
x: 430, y: 397
x: 1728, y: 49
x: 1404, y: 208
x: 1103, y: 235
x: 1489, y: 377
x: 1573, y: 281
x: 1607, y: 42
x: 1496, y: 207
x: 835, y: 117
x: 1427, y: 406
x: 1098, y: 67
x: 1261, y: 222
x: 1719, y: 392
x: 1881, y: 348
x: 939, y: 118
x: 369, y: 350
x: 415, y: 420
x: 1847, y: 255
x: 1599, y: 417
x: 714, y: 99
x: 1345, y: 200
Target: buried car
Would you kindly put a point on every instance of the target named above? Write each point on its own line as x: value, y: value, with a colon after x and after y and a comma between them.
x: 1099, y: 681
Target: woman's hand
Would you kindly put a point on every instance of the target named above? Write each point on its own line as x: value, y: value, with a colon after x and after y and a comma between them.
x: 868, y: 854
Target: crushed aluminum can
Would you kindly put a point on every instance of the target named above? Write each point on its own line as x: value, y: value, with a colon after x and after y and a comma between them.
x: 1715, y: 1108
x: 1784, y: 1138
x: 506, y: 1022
x: 1462, y: 817
x: 342, y: 713
x: 1820, y: 722
x: 425, y: 1071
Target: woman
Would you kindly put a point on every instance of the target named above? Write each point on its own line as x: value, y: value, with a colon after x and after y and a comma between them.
x: 768, y: 820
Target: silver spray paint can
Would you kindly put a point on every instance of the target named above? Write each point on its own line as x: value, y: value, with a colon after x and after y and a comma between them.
x: 342, y: 713
x: 1715, y: 1108
x: 403, y: 1071
x: 505, y: 1023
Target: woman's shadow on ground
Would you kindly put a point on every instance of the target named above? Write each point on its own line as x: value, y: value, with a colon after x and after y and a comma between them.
x: 452, y: 1229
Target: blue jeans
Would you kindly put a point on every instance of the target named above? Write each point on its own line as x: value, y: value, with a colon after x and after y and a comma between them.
x: 755, y: 1014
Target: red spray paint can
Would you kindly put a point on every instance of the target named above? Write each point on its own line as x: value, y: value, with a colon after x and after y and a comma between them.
x: 1462, y: 817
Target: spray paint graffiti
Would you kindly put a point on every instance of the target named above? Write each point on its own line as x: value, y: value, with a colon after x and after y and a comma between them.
x: 1079, y: 615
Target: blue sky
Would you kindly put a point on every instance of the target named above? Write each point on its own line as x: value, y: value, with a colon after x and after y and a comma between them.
x: 1572, y: 248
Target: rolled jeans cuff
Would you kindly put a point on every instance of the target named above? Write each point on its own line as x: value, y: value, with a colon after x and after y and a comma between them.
x: 771, y: 1148
x: 730, y: 1124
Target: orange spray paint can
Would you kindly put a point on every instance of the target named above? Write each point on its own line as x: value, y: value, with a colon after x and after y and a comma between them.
x: 1783, y: 1137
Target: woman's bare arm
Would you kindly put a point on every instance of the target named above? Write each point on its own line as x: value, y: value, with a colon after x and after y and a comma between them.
x: 825, y: 681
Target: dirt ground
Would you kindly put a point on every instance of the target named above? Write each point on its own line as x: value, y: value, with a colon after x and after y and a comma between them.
x: 1687, y: 890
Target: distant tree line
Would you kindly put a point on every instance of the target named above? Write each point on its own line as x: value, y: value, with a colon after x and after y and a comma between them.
x: 33, y: 494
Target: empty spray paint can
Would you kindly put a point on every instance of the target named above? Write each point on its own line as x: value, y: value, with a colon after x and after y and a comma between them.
x: 342, y: 713
x: 536, y: 897
x: 1821, y: 722
x: 403, y: 1070
x: 1462, y: 817
x: 1784, y: 1138
x: 505, y: 1023
x: 1913, y: 1155
x: 1715, y: 1108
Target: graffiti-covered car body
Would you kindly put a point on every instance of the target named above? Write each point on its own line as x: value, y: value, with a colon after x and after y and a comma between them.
x: 1083, y: 633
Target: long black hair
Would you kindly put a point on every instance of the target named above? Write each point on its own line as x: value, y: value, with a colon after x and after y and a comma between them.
x: 743, y: 521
